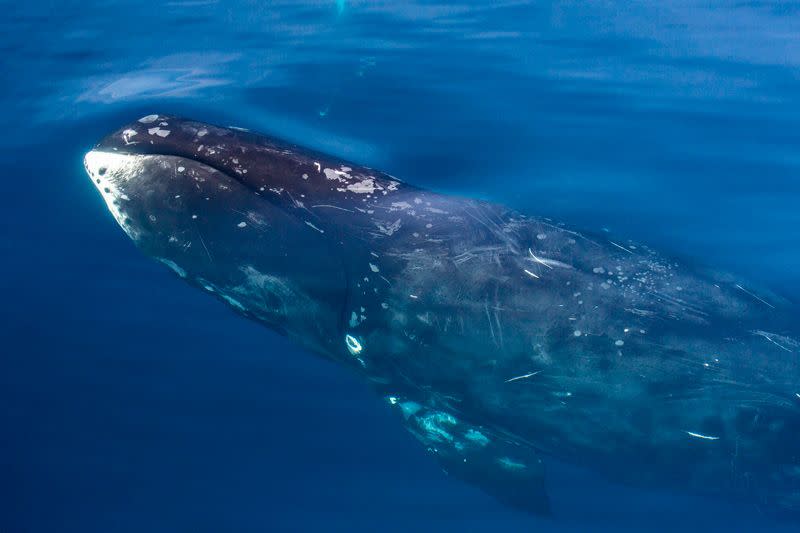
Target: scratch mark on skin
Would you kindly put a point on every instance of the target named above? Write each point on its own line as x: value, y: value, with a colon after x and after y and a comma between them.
x: 538, y: 260
x: 575, y: 233
x: 493, y: 228
x: 524, y: 376
x: 332, y: 207
x: 754, y: 296
x: 497, y: 309
x: 770, y: 339
x: 203, y: 242
x: 314, y: 227
x: 549, y: 263
x: 531, y: 274
x: 701, y: 436
x: 297, y: 204
x: 620, y: 247
x: 489, y: 320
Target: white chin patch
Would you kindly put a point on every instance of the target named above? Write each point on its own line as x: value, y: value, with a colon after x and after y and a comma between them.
x: 109, y: 172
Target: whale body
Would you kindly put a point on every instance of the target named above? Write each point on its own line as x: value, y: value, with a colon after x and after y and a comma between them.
x: 500, y: 339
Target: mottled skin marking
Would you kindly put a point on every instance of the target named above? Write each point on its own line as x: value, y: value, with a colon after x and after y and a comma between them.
x: 475, y: 320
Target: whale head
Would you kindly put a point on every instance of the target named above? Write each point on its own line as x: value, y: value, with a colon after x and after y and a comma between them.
x: 225, y: 210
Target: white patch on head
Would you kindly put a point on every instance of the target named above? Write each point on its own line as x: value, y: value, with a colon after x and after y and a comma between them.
x: 374, y: 268
x: 148, y: 119
x: 241, y: 224
x: 100, y: 166
x: 127, y: 134
x: 158, y: 131
x: 202, y: 133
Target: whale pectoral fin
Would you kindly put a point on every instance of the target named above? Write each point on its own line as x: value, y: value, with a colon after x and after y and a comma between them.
x: 509, y: 471
x: 512, y: 474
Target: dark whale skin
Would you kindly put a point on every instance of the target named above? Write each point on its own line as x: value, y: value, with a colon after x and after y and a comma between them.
x: 499, y: 338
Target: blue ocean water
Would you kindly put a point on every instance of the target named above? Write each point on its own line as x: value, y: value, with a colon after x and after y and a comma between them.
x: 131, y: 402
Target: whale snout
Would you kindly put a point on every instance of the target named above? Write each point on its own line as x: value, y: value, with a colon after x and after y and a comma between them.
x: 110, y: 173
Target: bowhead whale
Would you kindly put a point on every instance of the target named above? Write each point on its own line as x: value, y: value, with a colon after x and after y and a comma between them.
x: 499, y: 338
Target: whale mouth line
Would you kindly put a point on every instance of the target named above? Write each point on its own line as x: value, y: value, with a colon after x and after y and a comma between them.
x: 166, y: 153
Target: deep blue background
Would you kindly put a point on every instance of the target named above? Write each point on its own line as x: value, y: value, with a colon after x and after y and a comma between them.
x: 130, y: 402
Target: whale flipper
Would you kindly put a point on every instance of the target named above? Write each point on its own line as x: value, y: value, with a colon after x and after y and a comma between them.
x: 506, y: 469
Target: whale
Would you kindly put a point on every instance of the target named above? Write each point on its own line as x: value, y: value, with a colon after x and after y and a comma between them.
x: 501, y: 341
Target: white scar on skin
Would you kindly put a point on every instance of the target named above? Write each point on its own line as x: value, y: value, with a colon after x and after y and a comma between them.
x: 620, y: 247
x: 313, y: 226
x: 769, y: 337
x: 549, y: 263
x: 754, y: 296
x: 701, y: 436
x: 127, y: 134
x: 524, y: 376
